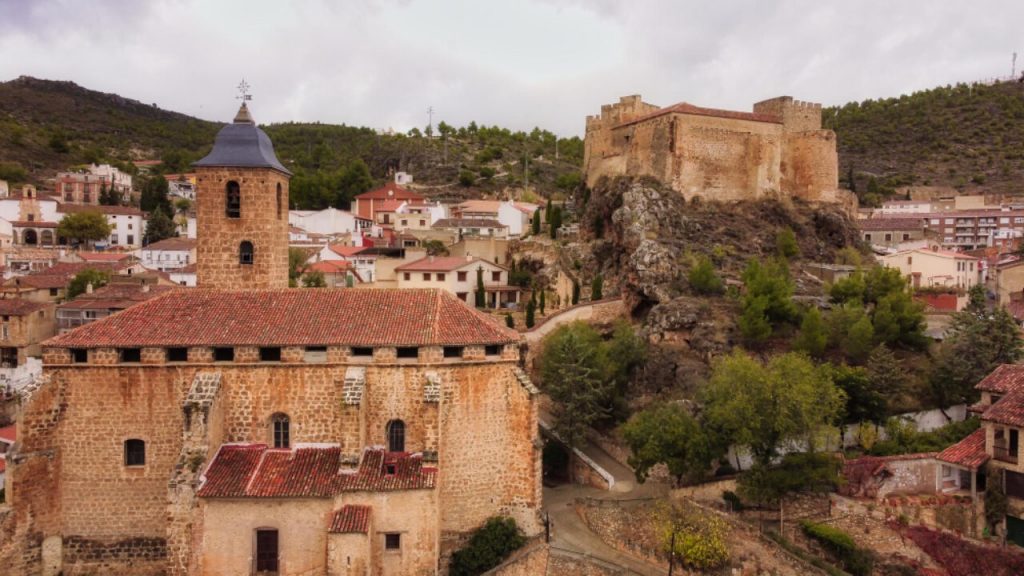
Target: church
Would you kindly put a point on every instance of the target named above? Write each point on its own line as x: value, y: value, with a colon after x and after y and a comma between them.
x: 244, y: 427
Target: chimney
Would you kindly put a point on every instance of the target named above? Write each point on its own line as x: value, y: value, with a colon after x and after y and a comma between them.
x: 88, y: 288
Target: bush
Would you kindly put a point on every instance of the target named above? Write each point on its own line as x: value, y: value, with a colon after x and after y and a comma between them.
x: 703, y: 278
x: 699, y: 538
x: 488, y: 547
x: 733, y: 500
x: 785, y: 243
x: 855, y: 560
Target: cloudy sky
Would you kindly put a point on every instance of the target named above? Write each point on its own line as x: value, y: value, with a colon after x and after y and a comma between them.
x: 516, y: 63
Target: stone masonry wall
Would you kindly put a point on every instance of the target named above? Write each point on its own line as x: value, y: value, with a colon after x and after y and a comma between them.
x: 263, y: 221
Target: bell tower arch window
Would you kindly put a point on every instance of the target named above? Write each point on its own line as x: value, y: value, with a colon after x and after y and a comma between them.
x: 245, y: 252
x: 233, y: 200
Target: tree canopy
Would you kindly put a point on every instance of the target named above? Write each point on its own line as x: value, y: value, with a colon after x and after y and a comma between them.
x: 81, y: 281
x: 84, y: 227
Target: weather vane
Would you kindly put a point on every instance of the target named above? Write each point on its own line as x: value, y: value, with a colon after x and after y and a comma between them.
x: 243, y: 91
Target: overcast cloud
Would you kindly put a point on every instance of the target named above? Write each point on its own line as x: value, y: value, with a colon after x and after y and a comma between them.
x: 519, y: 64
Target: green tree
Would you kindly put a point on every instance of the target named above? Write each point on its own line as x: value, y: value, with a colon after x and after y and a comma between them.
x: 762, y: 405
x: 704, y: 279
x: 865, y: 402
x: 977, y: 342
x: 572, y: 364
x: 509, y: 321
x: 435, y: 248
x: 350, y: 181
x: 296, y: 265
x: 182, y: 205
x: 480, y: 294
x: 754, y: 324
x: 83, y: 279
x: 84, y: 227
x: 535, y: 224
x: 159, y: 226
x: 531, y: 308
x: 813, y: 336
x: 556, y: 221
x: 597, y: 288
x: 487, y: 547
x: 797, y: 472
x: 466, y: 178
x: 785, y: 243
x: 575, y: 292
x: 886, y: 372
x: 314, y: 279
x: 696, y: 538
x: 542, y: 301
x: 547, y: 211
x: 153, y: 195
x: 13, y: 172
x: 668, y: 434
x: 771, y: 284
x: 859, y: 341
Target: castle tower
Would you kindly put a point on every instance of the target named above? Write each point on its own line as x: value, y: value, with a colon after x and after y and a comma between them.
x: 242, y: 210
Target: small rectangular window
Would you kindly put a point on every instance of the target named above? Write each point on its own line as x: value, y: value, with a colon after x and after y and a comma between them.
x: 131, y: 355
x: 392, y: 541
x: 177, y: 354
x: 492, y: 350
x: 79, y: 355
x: 225, y: 354
x: 315, y: 354
x: 272, y: 354
x: 134, y: 453
x: 426, y: 276
x: 462, y: 277
x: 408, y: 352
x: 406, y: 276
x: 362, y: 352
x: 440, y: 277
x: 453, y: 351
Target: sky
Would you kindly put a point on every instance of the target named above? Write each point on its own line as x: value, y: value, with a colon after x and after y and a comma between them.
x: 514, y: 63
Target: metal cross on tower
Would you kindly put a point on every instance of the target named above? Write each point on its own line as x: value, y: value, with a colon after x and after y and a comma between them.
x: 243, y: 91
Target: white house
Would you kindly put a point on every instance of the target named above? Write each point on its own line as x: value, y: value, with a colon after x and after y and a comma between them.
x: 329, y: 221
x: 460, y: 275
x: 925, y: 267
x: 363, y: 264
x: 419, y: 216
x: 515, y: 215
x: 184, y: 276
x: 484, y: 227
x: 169, y: 254
x: 127, y: 222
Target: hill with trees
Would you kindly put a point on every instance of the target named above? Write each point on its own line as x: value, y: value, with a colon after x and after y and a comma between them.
x: 968, y: 136
x: 48, y: 126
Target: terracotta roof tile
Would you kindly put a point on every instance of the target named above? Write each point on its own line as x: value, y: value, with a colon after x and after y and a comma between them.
x: 1007, y: 410
x: 108, y: 210
x: 439, y: 264
x: 351, y: 519
x: 3, y: 464
x: 9, y: 433
x: 255, y: 471
x: 294, y: 317
x: 389, y: 191
x: 346, y: 251
x: 173, y: 244
x: 19, y: 306
x: 968, y: 453
x: 1004, y: 379
x: 116, y: 297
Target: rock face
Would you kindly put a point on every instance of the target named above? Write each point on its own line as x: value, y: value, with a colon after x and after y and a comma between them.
x: 644, y: 238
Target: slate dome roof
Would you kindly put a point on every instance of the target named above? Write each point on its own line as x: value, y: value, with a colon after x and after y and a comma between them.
x: 242, y: 144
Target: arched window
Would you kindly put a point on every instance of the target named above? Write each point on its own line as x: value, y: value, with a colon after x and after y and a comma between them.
x: 46, y: 238
x: 279, y: 198
x: 233, y: 200
x: 31, y: 238
x: 396, y: 436
x: 134, y: 452
x: 281, y: 430
x: 245, y: 252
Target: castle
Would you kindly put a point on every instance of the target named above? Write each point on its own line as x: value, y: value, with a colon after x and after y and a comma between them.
x: 778, y: 150
x: 243, y: 427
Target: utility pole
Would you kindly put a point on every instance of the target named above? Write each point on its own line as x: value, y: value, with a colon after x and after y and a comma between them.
x: 556, y: 147
x: 1013, y: 67
x: 526, y: 170
x: 430, y: 121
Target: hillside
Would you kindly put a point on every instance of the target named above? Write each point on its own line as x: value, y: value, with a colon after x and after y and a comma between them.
x: 968, y: 136
x: 47, y: 126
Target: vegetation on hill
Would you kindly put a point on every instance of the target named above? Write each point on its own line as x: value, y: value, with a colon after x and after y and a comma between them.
x: 48, y: 126
x: 967, y: 136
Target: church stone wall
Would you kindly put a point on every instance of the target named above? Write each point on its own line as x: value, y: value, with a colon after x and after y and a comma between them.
x: 263, y: 221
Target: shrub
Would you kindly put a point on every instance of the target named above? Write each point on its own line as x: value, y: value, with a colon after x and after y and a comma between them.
x: 699, y: 538
x: 703, y: 278
x: 785, y: 243
x: 733, y: 500
x: 855, y: 560
x: 488, y: 546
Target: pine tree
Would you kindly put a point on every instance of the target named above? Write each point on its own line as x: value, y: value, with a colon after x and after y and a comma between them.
x: 542, y: 292
x: 813, y: 337
x: 509, y: 320
x: 481, y: 296
x: 885, y: 371
x: 575, y: 292
x: 159, y: 227
x: 531, y: 308
x: 535, y: 228
x: 597, y: 288
x: 556, y: 221
x: 571, y: 366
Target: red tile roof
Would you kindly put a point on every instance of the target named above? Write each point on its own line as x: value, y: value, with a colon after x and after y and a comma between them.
x: 1003, y: 380
x: 891, y: 224
x: 173, y: 244
x: 9, y: 433
x: 116, y: 297
x: 104, y: 256
x: 20, y: 307
x: 58, y: 275
x: 968, y: 453
x: 255, y: 471
x: 333, y: 267
x: 389, y: 205
x: 3, y: 464
x: 441, y: 264
x: 33, y: 224
x: 690, y: 109
x: 346, y: 251
x: 1007, y: 410
x: 351, y: 519
x: 294, y: 317
x: 390, y: 191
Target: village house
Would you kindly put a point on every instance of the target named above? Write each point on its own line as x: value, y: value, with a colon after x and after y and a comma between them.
x: 472, y: 227
x: 337, y: 273
x: 96, y: 304
x: 362, y: 258
x: 905, y: 207
x: 50, y: 284
x: 515, y: 216
x: 25, y: 325
x: 181, y: 186
x: 460, y: 275
x: 168, y: 254
x: 243, y: 427
x: 183, y: 276
x: 488, y: 248
x: 127, y: 223
x: 365, y: 205
x: 85, y: 187
x: 418, y: 217
x: 892, y: 233
x: 935, y: 268
x: 328, y: 222
x: 20, y: 260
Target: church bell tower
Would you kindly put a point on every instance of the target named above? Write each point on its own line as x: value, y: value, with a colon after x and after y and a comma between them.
x: 242, y: 210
